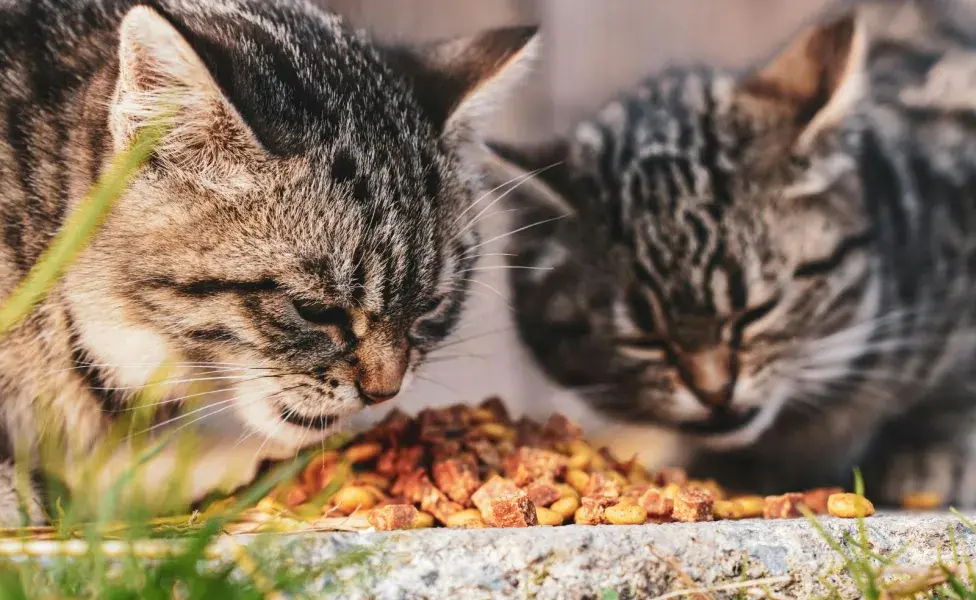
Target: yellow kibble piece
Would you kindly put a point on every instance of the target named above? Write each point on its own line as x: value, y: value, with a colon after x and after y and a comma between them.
x: 625, y: 513
x: 567, y: 491
x: 638, y: 474
x: 482, y: 415
x: 750, y: 507
x: 270, y: 505
x: 578, y: 479
x: 547, y: 516
x: 497, y: 431
x: 423, y: 520
x: 374, y: 491
x: 670, y: 491
x: 358, y: 453
x: 598, y: 463
x: 566, y: 506
x: 463, y: 518
x: 617, y: 477
x: 727, y: 509
x: 579, y: 462
x: 922, y: 501
x: 373, y: 479
x: 849, y: 506
x: 580, y: 447
x: 352, y: 498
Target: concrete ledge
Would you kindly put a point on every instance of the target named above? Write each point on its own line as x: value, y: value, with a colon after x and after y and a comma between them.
x: 635, y: 561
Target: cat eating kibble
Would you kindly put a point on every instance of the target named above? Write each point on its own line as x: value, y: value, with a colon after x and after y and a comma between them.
x: 297, y: 241
x: 779, y: 266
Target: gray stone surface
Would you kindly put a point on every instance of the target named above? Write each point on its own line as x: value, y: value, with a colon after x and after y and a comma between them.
x: 635, y: 562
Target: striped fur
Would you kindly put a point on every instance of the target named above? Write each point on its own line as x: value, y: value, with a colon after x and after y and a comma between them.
x: 296, y: 242
x: 779, y: 264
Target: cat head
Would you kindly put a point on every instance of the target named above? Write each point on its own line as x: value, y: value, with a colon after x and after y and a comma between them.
x: 696, y: 243
x: 297, y: 232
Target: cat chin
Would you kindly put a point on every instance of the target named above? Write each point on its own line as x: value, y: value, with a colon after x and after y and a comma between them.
x: 261, y: 415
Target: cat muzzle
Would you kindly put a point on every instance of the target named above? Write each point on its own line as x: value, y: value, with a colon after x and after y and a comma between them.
x: 721, y: 421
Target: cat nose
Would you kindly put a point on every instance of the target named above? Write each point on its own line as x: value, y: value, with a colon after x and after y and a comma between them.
x: 709, y: 374
x: 380, y: 368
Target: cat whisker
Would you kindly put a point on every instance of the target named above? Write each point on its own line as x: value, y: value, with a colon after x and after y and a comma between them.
x: 471, y: 338
x: 505, y: 268
x: 497, y: 293
x: 519, y: 178
x: 511, y: 233
x: 482, y: 217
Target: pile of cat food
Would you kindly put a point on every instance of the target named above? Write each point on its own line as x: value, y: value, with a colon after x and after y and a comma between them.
x: 468, y: 467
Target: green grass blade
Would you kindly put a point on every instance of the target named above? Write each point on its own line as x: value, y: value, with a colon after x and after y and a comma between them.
x: 77, y: 231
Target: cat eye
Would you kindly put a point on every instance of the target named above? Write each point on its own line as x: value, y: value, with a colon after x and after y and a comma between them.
x: 643, y: 348
x: 322, y: 315
x: 750, y: 316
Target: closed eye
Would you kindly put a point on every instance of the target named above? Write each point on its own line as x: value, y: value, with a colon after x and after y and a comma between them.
x: 750, y: 316
x: 823, y: 266
x: 322, y: 315
x: 643, y: 348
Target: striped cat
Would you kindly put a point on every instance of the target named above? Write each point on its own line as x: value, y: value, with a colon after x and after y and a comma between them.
x: 780, y: 265
x: 296, y: 240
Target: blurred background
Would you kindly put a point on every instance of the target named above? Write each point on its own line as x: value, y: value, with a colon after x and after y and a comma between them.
x: 593, y: 51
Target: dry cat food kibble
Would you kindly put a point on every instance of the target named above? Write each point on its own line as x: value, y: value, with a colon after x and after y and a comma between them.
x: 475, y: 467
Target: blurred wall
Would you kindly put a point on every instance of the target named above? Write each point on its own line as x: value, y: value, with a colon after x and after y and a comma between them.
x: 594, y: 49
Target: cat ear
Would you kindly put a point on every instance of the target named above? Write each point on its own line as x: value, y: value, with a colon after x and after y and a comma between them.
x: 460, y: 81
x: 817, y: 78
x: 162, y: 81
x: 536, y: 176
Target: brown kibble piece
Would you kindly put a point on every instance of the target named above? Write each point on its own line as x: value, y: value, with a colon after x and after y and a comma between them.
x: 542, y: 492
x: 497, y: 408
x: 392, y: 516
x: 392, y: 429
x: 692, y: 505
x: 529, y: 433
x: 589, y: 514
x: 602, y: 485
x: 922, y: 501
x: 319, y: 471
x: 514, y: 510
x: 294, y: 496
x: 785, y: 506
x: 528, y: 464
x: 409, y: 459
x: 849, y: 506
x: 417, y: 488
x: 457, y: 477
x: 560, y: 429
x: 816, y: 499
x: 655, y: 503
x: 496, y: 487
x: 486, y: 452
x: 668, y: 475
x: 386, y: 463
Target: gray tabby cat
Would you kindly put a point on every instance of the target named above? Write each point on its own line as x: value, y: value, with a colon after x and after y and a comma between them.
x: 779, y: 265
x: 296, y: 239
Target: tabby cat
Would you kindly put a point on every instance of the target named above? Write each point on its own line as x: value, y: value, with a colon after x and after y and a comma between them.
x: 296, y: 239
x: 779, y: 265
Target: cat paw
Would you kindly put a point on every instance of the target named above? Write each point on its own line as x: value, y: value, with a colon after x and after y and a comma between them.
x: 13, y: 508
